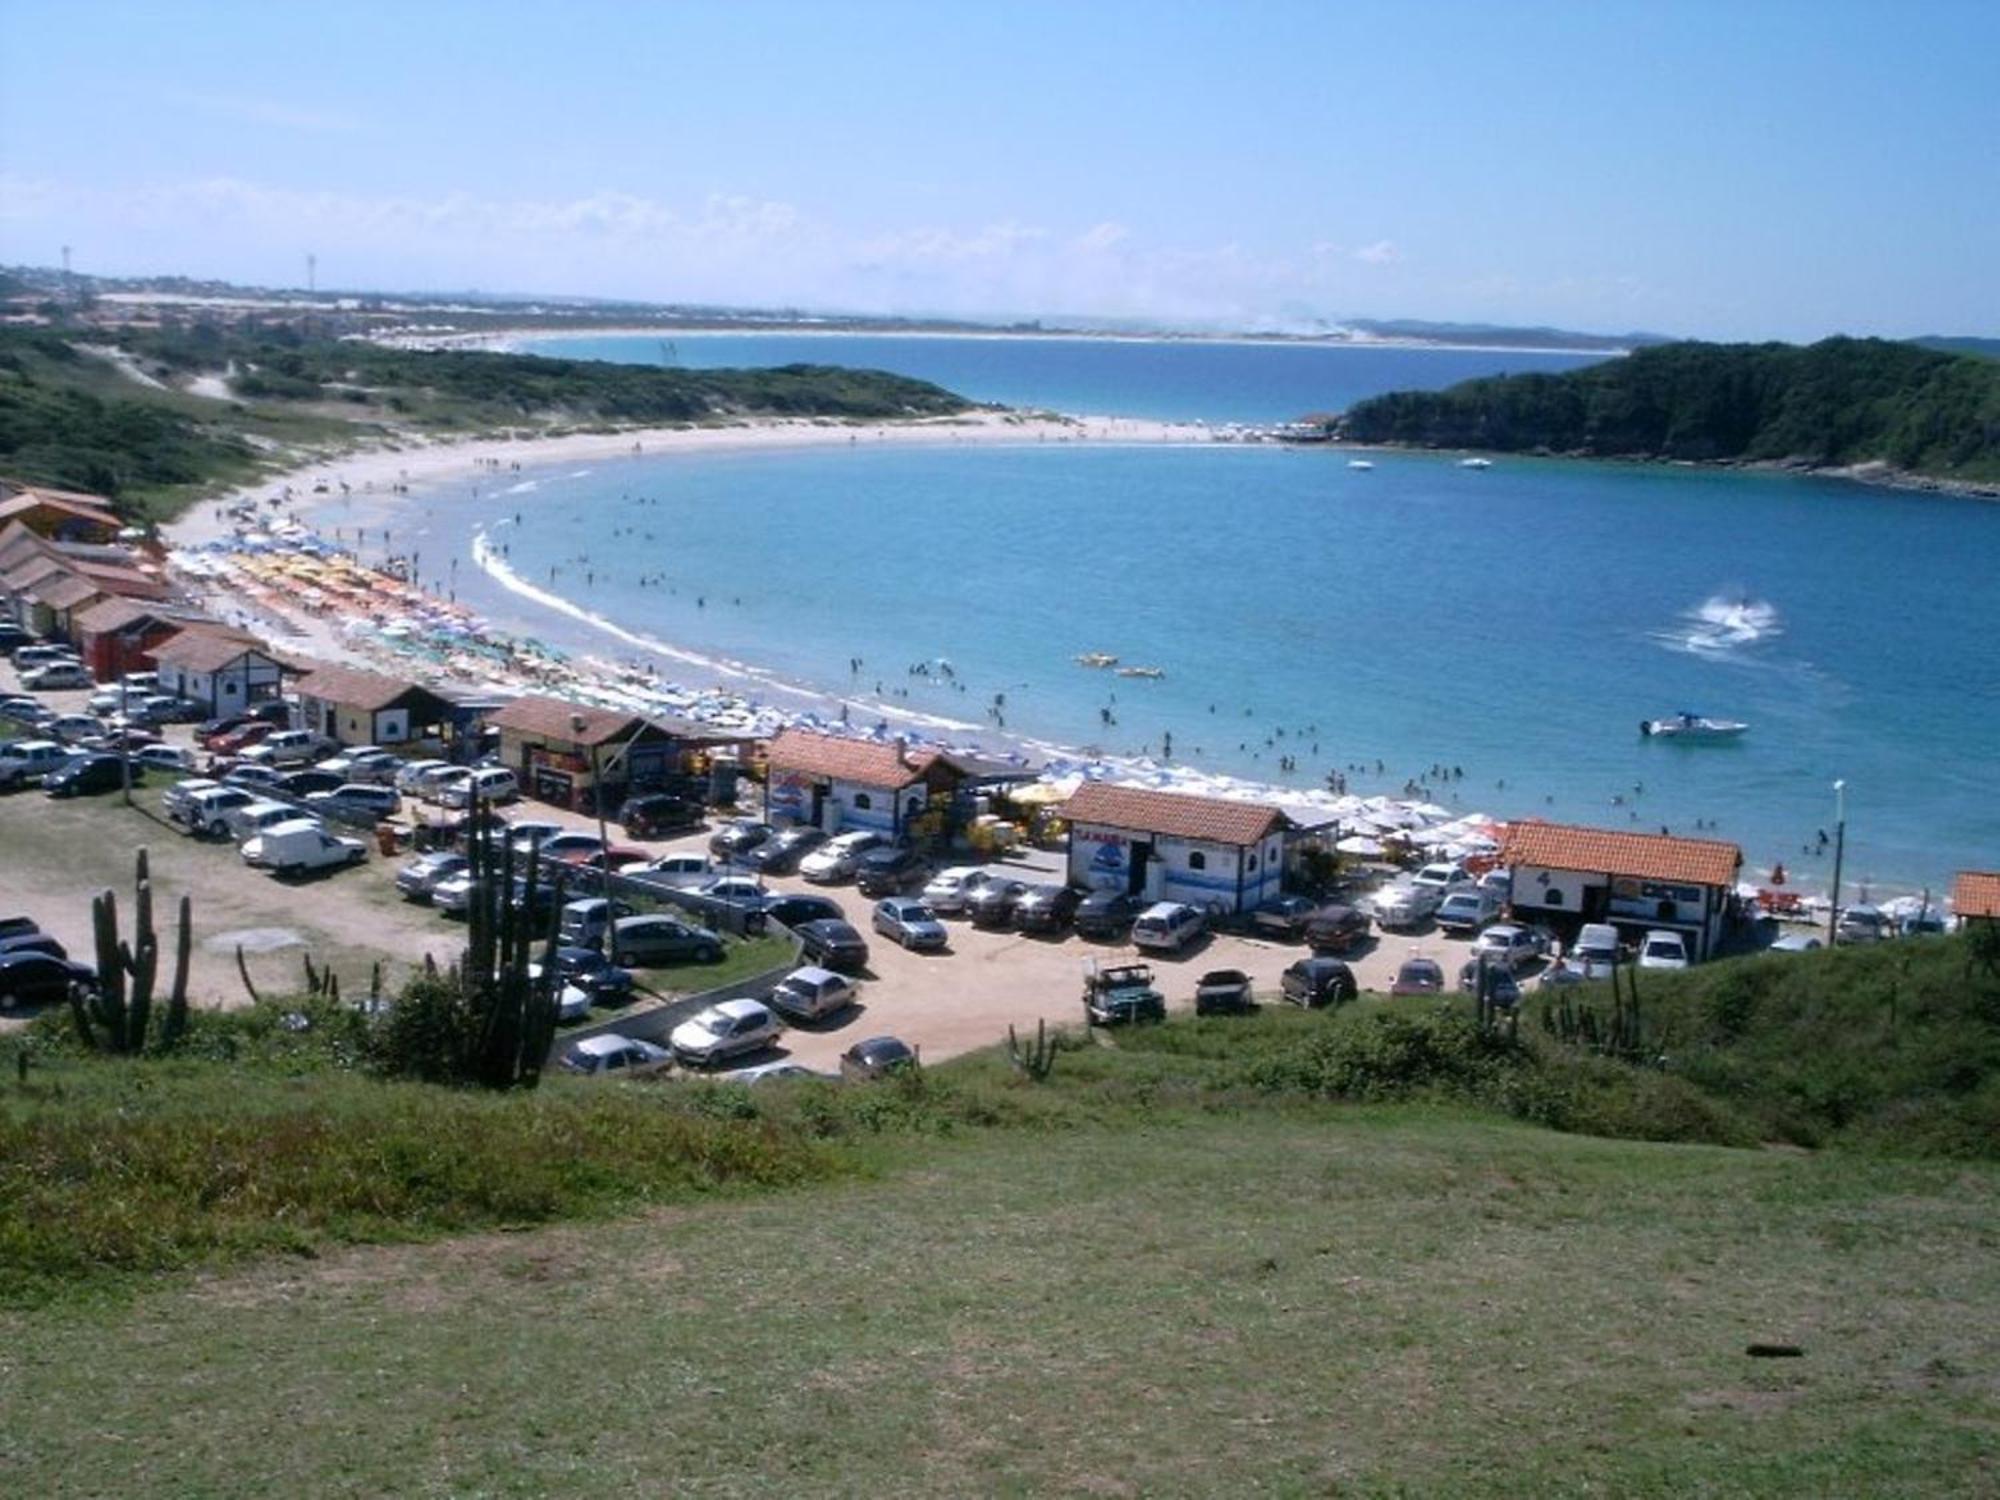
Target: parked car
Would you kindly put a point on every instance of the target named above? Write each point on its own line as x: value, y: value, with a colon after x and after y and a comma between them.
x: 1418, y: 976
x: 723, y: 1031
x: 835, y: 859
x: 589, y: 970
x: 876, y: 1057
x: 288, y: 747
x: 261, y: 779
x: 910, y: 923
x: 490, y: 784
x: 175, y: 800
x: 357, y: 800
x: 33, y: 942
x: 1105, y: 915
x: 26, y: 761
x: 1596, y: 951
x: 57, y: 676
x: 1167, y: 927
x: 728, y: 900
x: 1336, y: 928
x: 312, y: 781
x: 253, y: 818
x: 419, y: 878
x: 683, y: 869
x: 207, y: 812
x: 1117, y: 994
x: 169, y: 758
x: 410, y: 774
x: 737, y: 837
x: 566, y: 845
x: 1284, y: 918
x: 528, y: 834
x: 832, y: 945
x: 1315, y: 982
x: 1859, y: 924
x: 369, y: 763
x: 1561, y: 973
x: 812, y: 994
x: 657, y: 814
x: 301, y: 845
x: 69, y: 728
x: 645, y: 942
x: 433, y: 784
x: 88, y: 775
x: 610, y: 1055
x: 781, y: 852
x: 775, y: 1072
x: 793, y: 910
x: 1467, y: 909
x: 40, y: 978
x: 32, y: 658
x: 992, y: 905
x: 586, y: 923
x: 1511, y: 945
x: 240, y: 737
x: 1663, y: 950
x: 1406, y: 904
x: 1502, y: 988
x: 1929, y: 922
x: 1444, y: 877
x: 1796, y: 942
x: 1224, y: 992
x: 947, y: 891
x: 885, y: 871
x: 1046, y: 908
x: 452, y: 894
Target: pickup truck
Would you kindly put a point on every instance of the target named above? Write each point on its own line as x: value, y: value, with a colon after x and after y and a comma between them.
x: 31, y: 760
x: 1122, y: 993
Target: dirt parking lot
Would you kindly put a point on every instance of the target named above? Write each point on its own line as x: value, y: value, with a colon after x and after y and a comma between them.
x: 55, y: 855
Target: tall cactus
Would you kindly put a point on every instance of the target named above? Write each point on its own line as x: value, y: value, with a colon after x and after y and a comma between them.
x: 1032, y: 1062
x: 117, y: 1017
x: 515, y: 1015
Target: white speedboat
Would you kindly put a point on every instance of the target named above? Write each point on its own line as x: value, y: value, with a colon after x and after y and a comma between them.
x: 1687, y: 726
x: 1359, y: 463
x: 1475, y: 463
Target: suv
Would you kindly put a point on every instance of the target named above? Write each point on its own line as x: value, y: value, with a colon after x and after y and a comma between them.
x: 885, y: 872
x: 657, y: 814
x: 1104, y: 915
x: 1122, y: 993
x: 1663, y: 950
x: 286, y: 747
x: 1313, y: 982
x: 1167, y: 927
x: 207, y: 812
x: 1336, y: 929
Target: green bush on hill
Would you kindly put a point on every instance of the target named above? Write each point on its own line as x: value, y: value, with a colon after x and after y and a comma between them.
x: 1840, y: 401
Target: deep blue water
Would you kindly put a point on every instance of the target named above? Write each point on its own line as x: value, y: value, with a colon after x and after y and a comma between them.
x: 1172, y: 381
x: 1516, y: 622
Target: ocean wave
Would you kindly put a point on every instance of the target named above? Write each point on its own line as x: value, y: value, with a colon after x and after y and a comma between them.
x: 502, y: 572
x: 523, y: 487
x: 1722, y: 626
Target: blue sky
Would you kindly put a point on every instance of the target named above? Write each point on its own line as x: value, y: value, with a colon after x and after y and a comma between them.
x: 1750, y: 169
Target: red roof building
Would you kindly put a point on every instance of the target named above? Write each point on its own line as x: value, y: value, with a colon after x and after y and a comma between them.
x: 1566, y: 876
x: 1210, y: 852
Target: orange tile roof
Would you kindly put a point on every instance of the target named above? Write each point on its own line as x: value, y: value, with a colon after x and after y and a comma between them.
x: 1218, y: 820
x: 206, y: 649
x: 553, y: 719
x: 1976, y: 893
x: 1649, y: 856
x: 370, y: 692
x: 863, y: 762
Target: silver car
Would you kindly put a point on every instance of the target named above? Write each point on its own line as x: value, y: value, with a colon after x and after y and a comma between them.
x: 910, y: 923
x: 811, y: 994
x: 723, y: 1031
x: 419, y: 879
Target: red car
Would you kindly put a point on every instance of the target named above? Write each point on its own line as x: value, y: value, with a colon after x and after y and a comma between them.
x: 239, y: 739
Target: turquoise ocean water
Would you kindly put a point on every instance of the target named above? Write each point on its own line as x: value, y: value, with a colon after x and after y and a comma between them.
x: 1515, y: 623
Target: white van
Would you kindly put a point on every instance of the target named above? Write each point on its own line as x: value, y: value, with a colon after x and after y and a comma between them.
x: 494, y: 784
x: 301, y: 844
x: 1166, y: 927
x: 253, y: 818
x: 1595, y: 950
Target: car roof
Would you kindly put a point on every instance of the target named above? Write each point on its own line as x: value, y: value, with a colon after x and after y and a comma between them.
x: 814, y: 974
x: 603, y: 1045
x: 736, y: 1010
x: 881, y: 1046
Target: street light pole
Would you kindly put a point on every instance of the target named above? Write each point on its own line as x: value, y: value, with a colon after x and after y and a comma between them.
x: 1839, y: 853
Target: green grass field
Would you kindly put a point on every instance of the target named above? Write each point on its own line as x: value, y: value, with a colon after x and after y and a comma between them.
x: 1305, y: 1301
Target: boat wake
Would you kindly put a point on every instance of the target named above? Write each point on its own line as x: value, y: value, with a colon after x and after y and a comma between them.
x: 1721, y: 626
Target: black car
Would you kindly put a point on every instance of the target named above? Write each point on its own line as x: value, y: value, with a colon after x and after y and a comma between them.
x: 33, y: 942
x: 734, y: 839
x: 1285, y: 918
x: 992, y: 905
x: 1314, y: 982
x: 1224, y: 992
x: 588, y: 969
x: 657, y: 814
x: 781, y: 852
x: 1105, y: 914
x: 40, y: 978
x: 305, y: 783
x: 794, y: 911
x: 1336, y: 929
x: 12, y: 927
x: 832, y: 945
x: 1046, y: 908
x: 888, y: 872
x: 90, y: 775
x: 875, y: 1058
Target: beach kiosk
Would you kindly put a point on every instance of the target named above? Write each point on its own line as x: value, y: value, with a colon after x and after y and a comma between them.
x: 1210, y: 852
x: 355, y: 707
x: 1565, y: 876
x: 1975, y: 897
x: 837, y: 783
x: 574, y: 755
x: 223, y: 670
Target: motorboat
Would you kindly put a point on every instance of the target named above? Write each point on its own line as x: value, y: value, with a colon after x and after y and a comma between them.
x: 1359, y: 463
x: 1475, y: 463
x: 1691, y: 726
x: 1096, y: 659
x: 1142, y: 672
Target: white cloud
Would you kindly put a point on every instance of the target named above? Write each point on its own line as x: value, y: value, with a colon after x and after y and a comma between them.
x: 1381, y: 253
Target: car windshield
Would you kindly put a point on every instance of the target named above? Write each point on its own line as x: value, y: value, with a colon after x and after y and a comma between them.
x: 1663, y: 948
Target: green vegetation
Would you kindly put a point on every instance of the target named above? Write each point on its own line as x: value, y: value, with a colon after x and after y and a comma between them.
x: 1839, y: 402
x: 73, y: 419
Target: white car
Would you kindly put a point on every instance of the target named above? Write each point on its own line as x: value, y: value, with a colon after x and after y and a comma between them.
x: 1406, y: 904
x: 950, y: 890
x: 286, y: 747
x: 611, y: 1056
x: 300, y: 845
x: 1510, y: 946
x: 724, y: 1031
x: 1444, y: 878
x: 252, y: 818
x: 168, y: 758
x: 834, y: 860
x: 369, y: 763
x: 410, y: 774
x: 1663, y: 950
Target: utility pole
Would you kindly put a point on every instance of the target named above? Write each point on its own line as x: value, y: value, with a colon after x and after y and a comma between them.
x: 312, y: 273
x: 1839, y: 853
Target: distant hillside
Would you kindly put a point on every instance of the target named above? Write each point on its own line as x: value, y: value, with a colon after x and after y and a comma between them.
x: 1839, y: 402
x: 1959, y: 344
x: 166, y: 412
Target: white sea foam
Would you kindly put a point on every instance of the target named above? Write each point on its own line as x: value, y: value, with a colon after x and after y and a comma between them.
x: 523, y: 487
x: 1722, y: 626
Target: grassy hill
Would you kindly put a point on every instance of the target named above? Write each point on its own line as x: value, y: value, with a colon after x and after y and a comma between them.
x: 166, y: 413
x: 1839, y: 402
x: 1294, y: 1253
